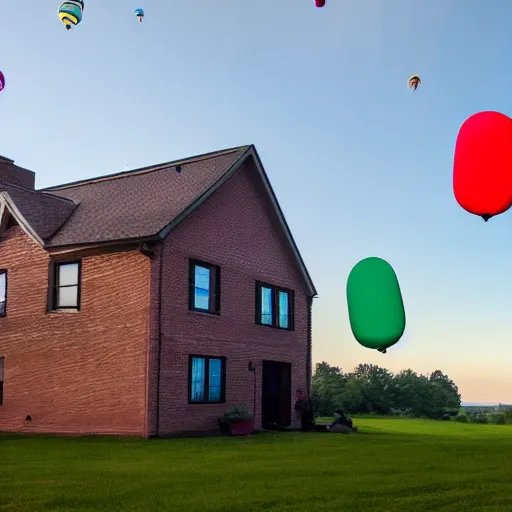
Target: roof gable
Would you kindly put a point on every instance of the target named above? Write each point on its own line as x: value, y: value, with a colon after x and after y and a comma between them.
x: 39, y: 214
x: 139, y: 205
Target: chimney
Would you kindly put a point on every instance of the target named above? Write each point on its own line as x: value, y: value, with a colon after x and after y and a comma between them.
x: 14, y: 175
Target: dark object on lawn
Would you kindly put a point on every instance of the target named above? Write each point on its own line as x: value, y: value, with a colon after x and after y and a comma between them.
x: 238, y: 421
x: 341, y: 419
x: 28, y: 418
x: 341, y: 429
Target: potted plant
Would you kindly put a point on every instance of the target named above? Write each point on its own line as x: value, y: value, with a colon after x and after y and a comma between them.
x: 238, y: 421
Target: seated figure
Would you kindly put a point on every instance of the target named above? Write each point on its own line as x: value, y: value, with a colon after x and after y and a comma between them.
x: 341, y: 419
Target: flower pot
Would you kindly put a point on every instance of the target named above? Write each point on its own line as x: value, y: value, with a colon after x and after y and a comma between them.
x: 241, y: 427
x: 237, y: 427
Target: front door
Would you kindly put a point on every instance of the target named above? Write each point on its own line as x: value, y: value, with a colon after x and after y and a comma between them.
x: 276, y: 394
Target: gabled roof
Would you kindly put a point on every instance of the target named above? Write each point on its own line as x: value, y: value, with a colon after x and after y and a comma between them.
x: 38, y: 213
x: 140, y: 205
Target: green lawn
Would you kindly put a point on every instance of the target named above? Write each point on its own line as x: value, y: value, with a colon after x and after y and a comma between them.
x: 391, y: 464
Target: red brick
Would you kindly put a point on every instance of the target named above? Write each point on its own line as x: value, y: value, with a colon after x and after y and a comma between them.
x: 74, y: 372
x: 95, y: 371
x: 232, y: 229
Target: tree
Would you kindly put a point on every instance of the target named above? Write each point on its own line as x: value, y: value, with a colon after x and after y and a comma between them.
x: 376, y: 383
x: 444, y: 394
x: 327, y: 389
x: 375, y: 390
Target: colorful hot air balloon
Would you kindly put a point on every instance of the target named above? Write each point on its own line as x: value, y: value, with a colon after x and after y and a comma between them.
x: 140, y: 14
x: 482, y: 166
x: 375, y: 305
x: 319, y: 3
x: 413, y: 81
x: 2, y: 81
x: 70, y: 13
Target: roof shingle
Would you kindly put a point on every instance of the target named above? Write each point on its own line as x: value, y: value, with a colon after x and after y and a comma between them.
x: 44, y: 212
x: 140, y: 203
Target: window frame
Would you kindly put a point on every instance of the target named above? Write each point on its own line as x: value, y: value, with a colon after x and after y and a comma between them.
x: 2, y: 365
x: 3, y: 271
x: 223, y: 371
x: 214, y: 289
x: 275, y: 306
x: 54, y: 282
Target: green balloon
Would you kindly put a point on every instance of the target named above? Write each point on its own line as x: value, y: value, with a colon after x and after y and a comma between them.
x: 375, y: 305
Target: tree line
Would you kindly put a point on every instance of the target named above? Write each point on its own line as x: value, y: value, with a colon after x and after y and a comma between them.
x: 370, y: 389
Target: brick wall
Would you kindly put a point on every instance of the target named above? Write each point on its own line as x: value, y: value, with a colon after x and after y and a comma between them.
x: 231, y: 229
x: 74, y: 372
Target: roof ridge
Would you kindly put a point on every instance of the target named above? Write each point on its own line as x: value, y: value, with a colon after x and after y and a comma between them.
x: 33, y: 191
x: 148, y: 169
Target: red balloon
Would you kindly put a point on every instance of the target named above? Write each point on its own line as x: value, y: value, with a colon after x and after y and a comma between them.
x: 2, y: 81
x: 319, y: 3
x: 482, y: 167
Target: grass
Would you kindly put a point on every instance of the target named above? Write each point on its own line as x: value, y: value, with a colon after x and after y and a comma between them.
x: 392, y: 465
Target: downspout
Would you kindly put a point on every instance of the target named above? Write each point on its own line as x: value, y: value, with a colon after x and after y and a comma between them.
x: 149, y: 252
x: 309, y: 349
x: 159, y: 364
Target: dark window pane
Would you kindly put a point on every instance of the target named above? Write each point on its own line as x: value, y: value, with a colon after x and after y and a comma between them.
x: 68, y: 274
x: 197, y: 390
x: 283, y: 310
x: 215, y: 380
x: 67, y: 297
x: 3, y: 292
x: 266, y: 305
x: 201, y: 287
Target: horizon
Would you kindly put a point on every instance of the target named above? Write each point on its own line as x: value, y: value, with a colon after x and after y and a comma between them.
x: 361, y: 164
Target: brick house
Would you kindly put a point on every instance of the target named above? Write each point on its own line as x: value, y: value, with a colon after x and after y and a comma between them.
x: 149, y: 302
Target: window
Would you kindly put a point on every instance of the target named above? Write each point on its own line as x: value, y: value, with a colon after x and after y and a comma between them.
x: 207, y: 379
x: 204, y: 287
x: 66, y: 286
x: 2, y: 359
x: 3, y: 293
x: 274, y: 306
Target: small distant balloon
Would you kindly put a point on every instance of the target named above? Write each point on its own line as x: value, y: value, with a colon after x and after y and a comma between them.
x: 375, y: 305
x: 414, y: 81
x: 482, y: 166
x: 70, y: 13
x: 2, y: 81
x: 319, y: 3
x: 140, y: 14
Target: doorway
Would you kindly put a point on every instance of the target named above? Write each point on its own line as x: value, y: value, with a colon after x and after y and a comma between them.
x: 276, y: 394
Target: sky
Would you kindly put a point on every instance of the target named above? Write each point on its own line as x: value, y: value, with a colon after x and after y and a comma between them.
x: 361, y: 164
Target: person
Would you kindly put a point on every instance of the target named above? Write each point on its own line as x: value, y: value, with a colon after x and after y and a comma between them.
x: 341, y: 419
x: 304, y: 410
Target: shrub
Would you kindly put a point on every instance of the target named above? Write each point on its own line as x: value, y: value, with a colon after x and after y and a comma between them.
x: 479, y: 417
x: 238, y: 413
x: 497, y: 418
x: 461, y: 418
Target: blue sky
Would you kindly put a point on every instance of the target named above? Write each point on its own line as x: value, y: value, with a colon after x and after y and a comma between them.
x: 362, y: 165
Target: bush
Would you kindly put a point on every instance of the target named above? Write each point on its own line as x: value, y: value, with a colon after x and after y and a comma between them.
x: 461, y: 418
x: 497, y: 418
x: 479, y: 417
x: 238, y: 413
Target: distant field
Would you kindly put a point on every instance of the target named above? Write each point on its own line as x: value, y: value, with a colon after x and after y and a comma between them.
x: 390, y: 465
